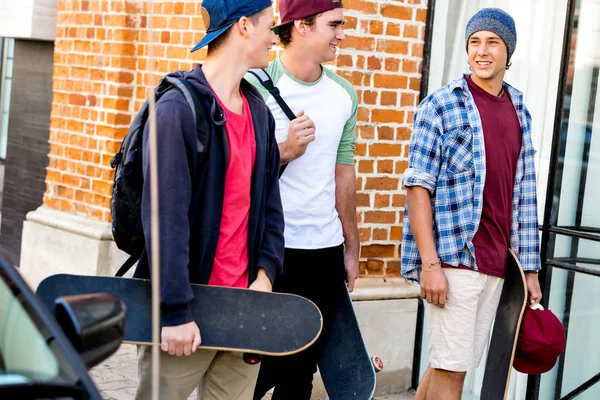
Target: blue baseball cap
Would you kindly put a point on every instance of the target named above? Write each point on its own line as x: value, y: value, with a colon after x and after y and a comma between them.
x: 220, y: 15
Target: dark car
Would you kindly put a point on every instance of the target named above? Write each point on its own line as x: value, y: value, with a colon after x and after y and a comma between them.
x: 46, y: 354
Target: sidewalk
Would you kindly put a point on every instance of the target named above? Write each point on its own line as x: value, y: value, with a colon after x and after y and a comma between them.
x: 116, y: 377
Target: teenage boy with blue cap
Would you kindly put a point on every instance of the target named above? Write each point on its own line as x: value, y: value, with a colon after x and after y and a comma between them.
x: 221, y: 220
x: 471, y: 196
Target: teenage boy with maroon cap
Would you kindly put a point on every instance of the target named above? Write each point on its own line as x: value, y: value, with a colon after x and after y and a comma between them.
x: 318, y: 186
x: 221, y: 221
x: 471, y: 196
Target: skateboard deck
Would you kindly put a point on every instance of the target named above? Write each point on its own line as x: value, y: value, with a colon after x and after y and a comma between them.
x: 345, y: 366
x: 505, y: 332
x: 230, y: 319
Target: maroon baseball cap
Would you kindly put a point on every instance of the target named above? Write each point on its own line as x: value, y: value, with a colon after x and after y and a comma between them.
x: 292, y: 10
x: 541, y: 341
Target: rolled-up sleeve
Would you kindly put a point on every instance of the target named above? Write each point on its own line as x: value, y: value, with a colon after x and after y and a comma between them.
x: 425, y: 149
x: 529, y: 240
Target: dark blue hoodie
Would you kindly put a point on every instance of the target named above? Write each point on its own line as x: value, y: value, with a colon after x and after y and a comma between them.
x: 191, y: 196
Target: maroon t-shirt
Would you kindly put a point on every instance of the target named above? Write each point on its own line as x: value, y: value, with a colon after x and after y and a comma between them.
x: 502, y: 136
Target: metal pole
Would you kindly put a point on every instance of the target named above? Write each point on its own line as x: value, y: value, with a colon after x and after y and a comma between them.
x: 155, y: 228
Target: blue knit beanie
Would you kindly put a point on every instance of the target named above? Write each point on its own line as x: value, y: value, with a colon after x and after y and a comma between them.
x: 497, y: 21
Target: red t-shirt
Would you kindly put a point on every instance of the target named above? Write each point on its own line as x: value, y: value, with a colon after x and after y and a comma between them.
x: 502, y: 137
x: 231, y: 259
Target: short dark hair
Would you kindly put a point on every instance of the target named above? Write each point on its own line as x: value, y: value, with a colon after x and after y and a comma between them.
x: 218, y: 42
x: 285, y: 31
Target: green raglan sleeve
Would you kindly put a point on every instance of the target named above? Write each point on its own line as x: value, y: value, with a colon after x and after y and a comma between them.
x: 345, y: 154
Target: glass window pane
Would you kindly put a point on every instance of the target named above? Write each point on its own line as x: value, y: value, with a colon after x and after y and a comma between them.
x: 575, y: 299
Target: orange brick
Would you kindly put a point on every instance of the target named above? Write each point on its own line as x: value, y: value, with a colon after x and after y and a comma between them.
x: 366, y: 132
x: 385, y: 166
x: 370, y: 97
x: 410, y: 66
x: 396, y: 12
x: 392, y: 29
x: 411, y: 31
x: 398, y: 200
x: 392, y: 46
x: 376, y: 27
x: 380, y: 217
x: 363, y: 200
x: 350, y: 22
x: 391, y: 81
x: 388, y: 98
x: 382, y: 201
x: 407, y: 100
x: 403, y: 133
x: 358, y: 43
x: 366, y: 166
x: 377, y: 250
x: 375, y: 266
x: 361, y: 149
x: 364, y: 234
x: 388, y: 116
x: 365, y: 7
x: 416, y: 50
x: 385, y: 150
x: 344, y: 60
x: 380, y: 234
x: 415, y: 84
x: 396, y: 233
x: 382, y: 183
x: 362, y: 268
x: 392, y: 268
x: 385, y: 133
x: 401, y: 166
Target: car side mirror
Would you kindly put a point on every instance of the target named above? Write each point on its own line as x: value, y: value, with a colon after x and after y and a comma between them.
x: 94, y: 323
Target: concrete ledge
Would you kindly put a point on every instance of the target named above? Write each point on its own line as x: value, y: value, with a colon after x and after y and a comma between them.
x: 71, y: 223
x: 28, y: 19
x: 59, y: 242
x: 384, y: 289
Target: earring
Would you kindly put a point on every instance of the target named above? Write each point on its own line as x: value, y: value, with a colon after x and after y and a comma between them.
x: 508, y: 65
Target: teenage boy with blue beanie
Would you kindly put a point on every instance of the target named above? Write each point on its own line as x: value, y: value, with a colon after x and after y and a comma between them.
x: 221, y: 220
x: 471, y: 195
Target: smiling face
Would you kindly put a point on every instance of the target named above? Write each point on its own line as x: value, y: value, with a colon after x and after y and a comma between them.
x: 326, y: 34
x: 488, y: 57
x: 261, y: 38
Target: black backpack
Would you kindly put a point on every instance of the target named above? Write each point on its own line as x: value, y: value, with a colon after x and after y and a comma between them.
x: 126, y: 200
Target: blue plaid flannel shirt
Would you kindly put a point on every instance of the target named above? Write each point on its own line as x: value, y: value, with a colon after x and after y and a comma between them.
x: 447, y: 157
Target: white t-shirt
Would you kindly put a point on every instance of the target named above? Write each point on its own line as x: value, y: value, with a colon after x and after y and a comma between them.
x: 308, y: 184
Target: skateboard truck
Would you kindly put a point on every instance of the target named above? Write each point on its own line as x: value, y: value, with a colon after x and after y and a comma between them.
x: 252, y: 359
x: 377, y: 363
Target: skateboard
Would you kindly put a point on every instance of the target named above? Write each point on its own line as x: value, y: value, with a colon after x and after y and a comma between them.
x: 230, y: 319
x: 345, y: 366
x: 505, y: 332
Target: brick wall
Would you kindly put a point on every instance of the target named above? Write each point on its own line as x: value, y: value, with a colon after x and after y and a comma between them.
x: 102, y: 74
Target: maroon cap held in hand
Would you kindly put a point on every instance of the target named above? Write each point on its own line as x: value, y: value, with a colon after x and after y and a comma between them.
x: 541, y: 341
x: 292, y: 10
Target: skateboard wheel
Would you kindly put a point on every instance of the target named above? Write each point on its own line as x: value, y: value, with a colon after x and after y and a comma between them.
x: 377, y: 363
x: 252, y: 359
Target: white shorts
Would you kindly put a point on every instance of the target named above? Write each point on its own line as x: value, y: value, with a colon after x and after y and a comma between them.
x: 458, y: 333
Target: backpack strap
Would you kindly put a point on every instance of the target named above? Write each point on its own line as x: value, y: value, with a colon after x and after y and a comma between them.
x: 265, y: 79
x: 202, y: 140
x: 129, y: 263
